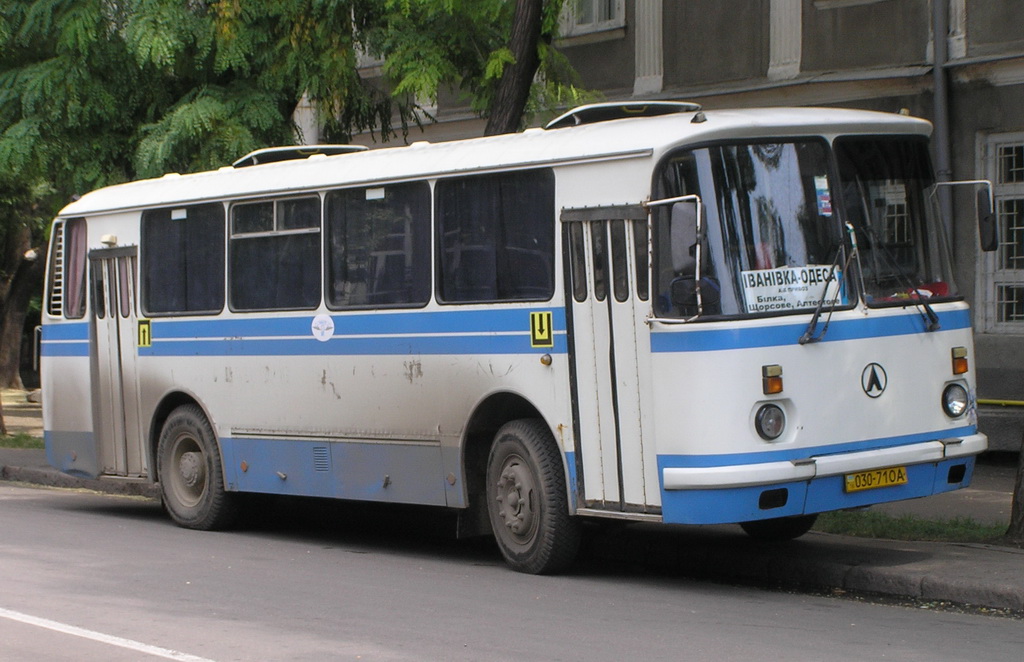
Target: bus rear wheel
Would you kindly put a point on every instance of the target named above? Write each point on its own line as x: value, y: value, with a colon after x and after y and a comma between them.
x: 190, y: 472
x: 527, y: 502
x: 779, y: 528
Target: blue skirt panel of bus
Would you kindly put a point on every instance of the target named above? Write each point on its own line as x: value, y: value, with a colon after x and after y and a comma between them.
x: 396, y: 473
x: 724, y: 506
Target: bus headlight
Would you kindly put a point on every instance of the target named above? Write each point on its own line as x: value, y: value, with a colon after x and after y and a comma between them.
x: 770, y: 421
x: 954, y: 400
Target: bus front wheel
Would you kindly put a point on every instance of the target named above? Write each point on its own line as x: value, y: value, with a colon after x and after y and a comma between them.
x: 526, y: 499
x: 780, y: 528
x: 189, y: 470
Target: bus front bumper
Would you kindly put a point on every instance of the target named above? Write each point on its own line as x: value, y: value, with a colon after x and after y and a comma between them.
x: 745, y: 492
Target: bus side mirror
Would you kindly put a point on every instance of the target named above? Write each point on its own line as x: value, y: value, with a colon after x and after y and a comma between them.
x: 684, y: 237
x: 987, y: 228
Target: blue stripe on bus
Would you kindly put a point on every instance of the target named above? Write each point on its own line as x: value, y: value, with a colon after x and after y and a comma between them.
x: 491, y: 344
x: 358, y: 324
x: 64, y: 349
x: 69, y: 331
x: 67, y: 339
x: 677, y: 339
x: 504, y: 331
x: 733, y: 459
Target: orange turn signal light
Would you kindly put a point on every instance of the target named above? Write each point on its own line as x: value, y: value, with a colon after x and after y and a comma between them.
x: 771, y: 379
x: 959, y: 360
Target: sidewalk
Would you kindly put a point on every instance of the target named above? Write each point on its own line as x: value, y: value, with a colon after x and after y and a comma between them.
x: 988, y: 576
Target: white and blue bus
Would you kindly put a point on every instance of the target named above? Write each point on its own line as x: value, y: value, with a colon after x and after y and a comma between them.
x: 642, y: 312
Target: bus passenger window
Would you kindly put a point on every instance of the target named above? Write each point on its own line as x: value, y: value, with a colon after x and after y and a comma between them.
x: 378, y: 246
x: 182, y: 259
x: 67, y: 286
x: 496, y: 237
x: 275, y: 254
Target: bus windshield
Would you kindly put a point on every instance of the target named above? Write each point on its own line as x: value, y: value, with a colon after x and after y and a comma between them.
x: 774, y: 239
x: 887, y: 193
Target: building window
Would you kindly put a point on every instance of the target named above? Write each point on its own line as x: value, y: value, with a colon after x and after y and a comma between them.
x: 1003, y: 280
x: 586, y: 16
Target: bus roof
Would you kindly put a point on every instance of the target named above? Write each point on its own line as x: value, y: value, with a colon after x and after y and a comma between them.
x: 643, y: 137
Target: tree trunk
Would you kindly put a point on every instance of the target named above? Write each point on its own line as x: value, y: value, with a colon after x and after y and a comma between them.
x: 18, y: 290
x: 1016, y: 531
x: 25, y: 284
x: 513, y: 91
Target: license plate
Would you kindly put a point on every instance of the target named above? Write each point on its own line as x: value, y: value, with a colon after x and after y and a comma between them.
x: 870, y: 480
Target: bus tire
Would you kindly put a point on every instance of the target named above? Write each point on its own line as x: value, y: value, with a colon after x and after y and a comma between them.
x: 527, y: 502
x: 779, y: 528
x: 190, y: 472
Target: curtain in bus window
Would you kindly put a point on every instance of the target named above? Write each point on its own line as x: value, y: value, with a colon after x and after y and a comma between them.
x: 378, y: 246
x: 74, y: 267
x: 496, y: 237
x: 278, y: 269
x: 182, y: 259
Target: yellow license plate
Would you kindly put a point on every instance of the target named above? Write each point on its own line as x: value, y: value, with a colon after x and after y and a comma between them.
x: 870, y: 480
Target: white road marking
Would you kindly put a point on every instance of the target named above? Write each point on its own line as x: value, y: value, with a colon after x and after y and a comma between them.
x: 100, y: 637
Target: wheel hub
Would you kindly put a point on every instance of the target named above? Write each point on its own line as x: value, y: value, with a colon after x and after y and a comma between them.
x: 515, y: 494
x: 192, y: 469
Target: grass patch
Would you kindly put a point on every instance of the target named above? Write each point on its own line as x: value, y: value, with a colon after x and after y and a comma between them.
x: 20, y: 440
x: 869, y: 524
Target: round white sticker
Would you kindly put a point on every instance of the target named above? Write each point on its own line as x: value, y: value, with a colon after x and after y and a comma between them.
x: 323, y: 327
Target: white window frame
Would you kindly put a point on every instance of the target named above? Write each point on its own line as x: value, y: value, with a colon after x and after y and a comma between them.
x: 995, y: 275
x: 572, y: 27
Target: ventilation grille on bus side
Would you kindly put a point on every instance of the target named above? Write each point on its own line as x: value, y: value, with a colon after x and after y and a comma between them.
x: 321, y: 459
x: 57, y: 272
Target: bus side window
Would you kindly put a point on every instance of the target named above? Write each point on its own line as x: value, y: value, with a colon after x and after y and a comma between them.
x: 182, y: 259
x: 496, y: 237
x: 275, y: 254
x: 68, y: 269
x: 378, y: 246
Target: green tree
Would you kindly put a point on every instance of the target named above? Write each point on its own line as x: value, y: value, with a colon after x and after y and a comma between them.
x: 499, y: 53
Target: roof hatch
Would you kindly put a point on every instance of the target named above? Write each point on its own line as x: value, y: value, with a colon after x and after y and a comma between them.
x: 293, y: 152
x: 603, y: 112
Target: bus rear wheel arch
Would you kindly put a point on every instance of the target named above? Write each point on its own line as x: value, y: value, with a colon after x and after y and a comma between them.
x: 527, y: 503
x: 190, y: 472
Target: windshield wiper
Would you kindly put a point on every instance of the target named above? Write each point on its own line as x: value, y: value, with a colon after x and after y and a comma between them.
x: 809, y: 335
x: 931, y: 320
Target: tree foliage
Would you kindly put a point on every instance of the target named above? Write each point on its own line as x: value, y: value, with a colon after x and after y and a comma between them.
x: 431, y: 45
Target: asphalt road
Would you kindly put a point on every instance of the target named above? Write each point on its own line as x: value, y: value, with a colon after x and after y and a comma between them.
x: 95, y: 577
